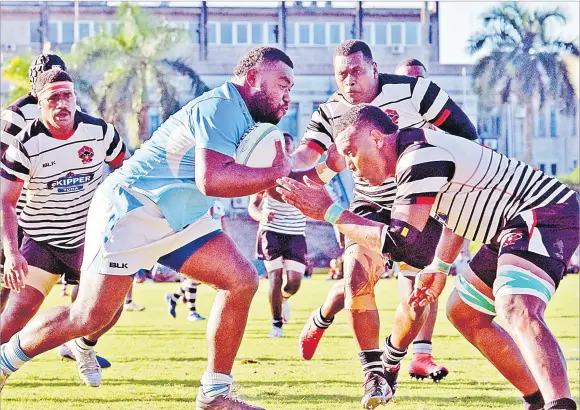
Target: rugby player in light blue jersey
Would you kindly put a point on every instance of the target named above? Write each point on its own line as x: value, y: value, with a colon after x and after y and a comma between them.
x: 156, y: 209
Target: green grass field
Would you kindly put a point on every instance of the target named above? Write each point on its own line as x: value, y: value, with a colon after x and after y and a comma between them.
x: 157, y: 361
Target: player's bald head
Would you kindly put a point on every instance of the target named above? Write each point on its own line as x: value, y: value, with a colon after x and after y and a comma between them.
x: 411, y: 67
x: 363, y: 118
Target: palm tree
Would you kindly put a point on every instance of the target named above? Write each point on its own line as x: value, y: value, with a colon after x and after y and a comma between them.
x: 138, y: 71
x: 523, y: 61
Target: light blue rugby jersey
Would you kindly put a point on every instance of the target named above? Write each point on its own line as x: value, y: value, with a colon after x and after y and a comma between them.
x: 163, y: 169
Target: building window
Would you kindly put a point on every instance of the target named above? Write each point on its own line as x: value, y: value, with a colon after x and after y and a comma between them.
x: 226, y: 33
x: 543, y: 167
x: 304, y: 33
x: 348, y: 31
x: 368, y: 33
x: 396, y: 32
x: 381, y: 34
x: 84, y: 30
x: 212, y: 33
x: 34, y: 32
x: 412, y: 31
x: 242, y: 33
x: 319, y: 34
x: 68, y: 32
x: 100, y: 27
x: 553, y: 126
x: 290, y: 34
x: 53, y: 33
x: 257, y: 33
x: 574, y: 164
x: 498, y: 126
x: 113, y: 28
x: 273, y: 33
x: 193, y: 31
x: 541, y: 124
x: 554, y: 169
x: 334, y: 36
x: 289, y: 122
x: 575, y: 124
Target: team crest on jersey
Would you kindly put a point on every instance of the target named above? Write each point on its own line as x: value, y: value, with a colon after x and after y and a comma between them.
x: 86, y: 154
x: 393, y: 115
x: 511, y: 237
x: 71, y: 182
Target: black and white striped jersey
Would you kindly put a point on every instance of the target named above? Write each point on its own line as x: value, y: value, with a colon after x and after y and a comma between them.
x: 13, y: 119
x: 61, y: 176
x: 410, y: 102
x: 287, y: 219
x: 473, y: 189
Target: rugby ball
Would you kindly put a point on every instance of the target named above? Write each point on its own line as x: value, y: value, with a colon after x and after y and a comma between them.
x: 257, y: 147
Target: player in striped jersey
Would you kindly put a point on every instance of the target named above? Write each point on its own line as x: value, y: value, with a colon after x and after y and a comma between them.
x: 60, y: 156
x: 281, y: 244
x: 13, y: 119
x: 411, y: 102
x: 528, y: 221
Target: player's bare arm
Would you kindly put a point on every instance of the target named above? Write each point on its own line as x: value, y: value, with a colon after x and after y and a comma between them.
x: 430, y: 282
x: 218, y: 174
x: 16, y: 267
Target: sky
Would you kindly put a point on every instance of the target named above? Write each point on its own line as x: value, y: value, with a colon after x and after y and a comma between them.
x: 458, y: 19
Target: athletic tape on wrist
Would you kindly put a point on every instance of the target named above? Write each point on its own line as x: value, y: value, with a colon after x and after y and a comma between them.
x: 324, y: 173
x: 333, y: 213
x: 440, y: 266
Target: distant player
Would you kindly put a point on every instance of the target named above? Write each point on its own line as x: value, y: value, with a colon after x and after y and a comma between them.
x: 528, y: 221
x: 410, y: 102
x: 156, y: 209
x: 281, y: 244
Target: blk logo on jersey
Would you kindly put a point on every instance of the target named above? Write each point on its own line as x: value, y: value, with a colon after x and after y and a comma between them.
x: 86, y: 154
x: 71, y: 182
x: 393, y: 115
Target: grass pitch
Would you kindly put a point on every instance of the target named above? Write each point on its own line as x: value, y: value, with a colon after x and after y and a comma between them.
x: 158, y: 360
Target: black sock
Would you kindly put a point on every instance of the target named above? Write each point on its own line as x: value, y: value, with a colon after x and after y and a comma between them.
x: 371, y: 361
x: 561, y: 404
x: 534, y: 401
x: 89, y: 342
x: 277, y: 323
x: 128, y: 299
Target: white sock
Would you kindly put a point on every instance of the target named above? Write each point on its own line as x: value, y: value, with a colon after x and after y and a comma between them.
x: 422, y: 346
x: 11, y: 355
x: 215, y: 384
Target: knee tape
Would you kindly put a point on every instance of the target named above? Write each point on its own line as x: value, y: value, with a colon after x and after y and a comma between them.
x: 473, y: 297
x: 513, y: 280
x: 407, y: 270
x: 361, y: 303
x: 40, y: 280
x: 361, y: 295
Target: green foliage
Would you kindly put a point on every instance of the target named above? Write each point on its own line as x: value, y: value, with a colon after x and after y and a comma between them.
x: 157, y: 361
x: 139, y: 70
x: 16, y: 72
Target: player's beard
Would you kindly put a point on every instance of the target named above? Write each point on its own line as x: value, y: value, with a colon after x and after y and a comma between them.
x: 262, y: 110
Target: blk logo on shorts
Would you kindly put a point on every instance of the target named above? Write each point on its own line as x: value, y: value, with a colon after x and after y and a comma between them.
x: 393, y: 115
x: 86, y: 154
x: 118, y: 265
